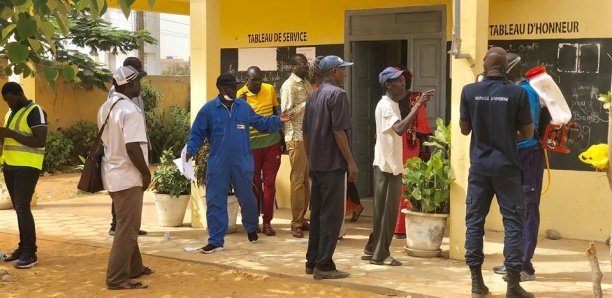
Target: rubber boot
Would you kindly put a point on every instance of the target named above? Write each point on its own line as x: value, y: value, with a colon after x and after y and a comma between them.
x: 479, y: 290
x: 514, y: 289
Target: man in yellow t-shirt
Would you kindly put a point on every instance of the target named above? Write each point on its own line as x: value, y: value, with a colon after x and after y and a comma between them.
x: 266, y: 148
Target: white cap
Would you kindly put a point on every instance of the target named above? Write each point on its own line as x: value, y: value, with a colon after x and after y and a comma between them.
x: 125, y: 74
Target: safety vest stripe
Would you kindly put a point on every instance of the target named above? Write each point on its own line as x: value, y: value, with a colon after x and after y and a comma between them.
x: 40, y: 151
x: 25, y: 111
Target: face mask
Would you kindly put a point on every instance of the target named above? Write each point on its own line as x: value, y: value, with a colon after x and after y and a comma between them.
x: 226, y: 96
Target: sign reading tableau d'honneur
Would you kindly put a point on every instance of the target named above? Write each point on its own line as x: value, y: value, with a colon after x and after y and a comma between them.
x: 561, y: 27
x: 269, y: 37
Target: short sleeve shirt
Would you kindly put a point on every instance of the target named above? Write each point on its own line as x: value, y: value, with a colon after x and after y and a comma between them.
x: 327, y: 110
x: 263, y: 103
x: 294, y: 94
x: 496, y: 108
x: 388, y: 148
x: 125, y: 125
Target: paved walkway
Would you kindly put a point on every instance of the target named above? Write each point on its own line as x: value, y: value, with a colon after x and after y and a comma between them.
x: 563, y: 270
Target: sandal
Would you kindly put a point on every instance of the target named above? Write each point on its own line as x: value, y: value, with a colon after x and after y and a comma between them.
x: 356, y: 214
x: 130, y: 285
x: 389, y: 261
x: 145, y: 271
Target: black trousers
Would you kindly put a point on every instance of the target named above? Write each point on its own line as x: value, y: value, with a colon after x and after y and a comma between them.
x: 326, y: 217
x: 21, y: 182
x: 510, y: 197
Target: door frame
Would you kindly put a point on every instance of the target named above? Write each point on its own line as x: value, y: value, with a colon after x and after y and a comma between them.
x: 408, y: 37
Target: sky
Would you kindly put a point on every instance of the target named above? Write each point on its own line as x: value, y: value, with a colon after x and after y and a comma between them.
x: 174, y: 36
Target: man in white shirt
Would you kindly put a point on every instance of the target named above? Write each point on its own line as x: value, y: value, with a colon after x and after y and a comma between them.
x: 137, y: 64
x: 125, y: 174
x: 388, y: 166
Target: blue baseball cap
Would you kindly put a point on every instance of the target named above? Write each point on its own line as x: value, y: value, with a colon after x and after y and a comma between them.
x: 330, y: 62
x: 388, y: 74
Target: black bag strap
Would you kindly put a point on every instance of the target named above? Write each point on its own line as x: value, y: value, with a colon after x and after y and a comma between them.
x: 99, y: 137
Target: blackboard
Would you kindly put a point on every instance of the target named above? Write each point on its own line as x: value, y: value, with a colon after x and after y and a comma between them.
x: 581, y: 68
x: 229, y: 63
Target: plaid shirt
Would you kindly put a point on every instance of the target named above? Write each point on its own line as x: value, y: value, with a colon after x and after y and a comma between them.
x: 294, y: 94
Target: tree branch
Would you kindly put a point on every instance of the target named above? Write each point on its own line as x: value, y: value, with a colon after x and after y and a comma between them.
x: 595, y: 270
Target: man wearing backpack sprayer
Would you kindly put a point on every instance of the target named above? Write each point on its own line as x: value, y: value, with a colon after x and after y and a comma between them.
x: 531, y: 156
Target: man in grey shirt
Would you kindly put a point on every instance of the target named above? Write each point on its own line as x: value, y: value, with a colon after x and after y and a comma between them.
x: 326, y: 126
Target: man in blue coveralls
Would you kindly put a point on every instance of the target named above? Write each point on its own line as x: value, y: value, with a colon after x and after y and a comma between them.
x: 531, y: 155
x: 496, y: 113
x: 225, y: 123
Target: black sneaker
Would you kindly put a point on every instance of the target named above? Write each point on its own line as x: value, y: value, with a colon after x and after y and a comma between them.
x: 26, y: 262
x: 141, y: 233
x: 253, y: 238
x: 13, y: 257
x: 210, y: 248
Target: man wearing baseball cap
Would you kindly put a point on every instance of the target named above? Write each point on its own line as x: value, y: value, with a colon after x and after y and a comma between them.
x: 137, y: 64
x: 388, y: 166
x: 326, y: 128
x: 125, y: 174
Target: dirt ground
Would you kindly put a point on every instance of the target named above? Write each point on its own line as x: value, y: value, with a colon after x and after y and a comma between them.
x: 73, y: 270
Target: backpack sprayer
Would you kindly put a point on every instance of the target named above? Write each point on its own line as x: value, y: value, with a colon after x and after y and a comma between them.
x: 560, y: 131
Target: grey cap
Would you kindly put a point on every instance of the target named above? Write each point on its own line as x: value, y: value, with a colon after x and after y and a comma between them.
x: 330, y: 62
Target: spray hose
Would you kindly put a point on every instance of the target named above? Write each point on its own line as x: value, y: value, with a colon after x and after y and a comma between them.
x: 547, y: 162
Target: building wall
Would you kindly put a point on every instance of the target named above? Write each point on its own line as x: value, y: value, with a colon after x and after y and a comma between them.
x: 584, y: 193
x: 69, y: 104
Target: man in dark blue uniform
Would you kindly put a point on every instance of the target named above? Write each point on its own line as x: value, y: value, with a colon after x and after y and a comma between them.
x: 496, y: 112
x: 225, y: 123
x: 531, y: 155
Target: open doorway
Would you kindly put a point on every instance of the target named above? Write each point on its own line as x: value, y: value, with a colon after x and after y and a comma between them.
x: 375, y: 39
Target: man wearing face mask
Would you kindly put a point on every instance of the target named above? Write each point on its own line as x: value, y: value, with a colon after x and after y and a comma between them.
x: 225, y: 123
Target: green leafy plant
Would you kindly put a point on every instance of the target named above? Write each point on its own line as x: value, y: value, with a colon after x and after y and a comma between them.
x: 31, y: 31
x: 201, y: 161
x: 605, y: 99
x: 82, y: 136
x: 57, y: 151
x: 167, y: 179
x: 170, y: 130
x: 428, y: 182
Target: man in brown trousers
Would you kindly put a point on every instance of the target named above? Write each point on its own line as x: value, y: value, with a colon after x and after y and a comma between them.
x: 125, y: 174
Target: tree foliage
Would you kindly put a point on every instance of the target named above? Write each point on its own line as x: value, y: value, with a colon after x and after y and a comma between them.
x: 31, y: 31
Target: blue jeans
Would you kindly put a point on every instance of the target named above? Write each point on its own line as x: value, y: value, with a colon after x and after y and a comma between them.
x: 512, y: 207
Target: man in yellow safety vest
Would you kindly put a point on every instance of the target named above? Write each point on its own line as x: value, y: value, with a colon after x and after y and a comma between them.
x: 23, y: 135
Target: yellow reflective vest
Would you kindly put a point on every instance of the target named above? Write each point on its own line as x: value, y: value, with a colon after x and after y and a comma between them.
x: 15, y: 153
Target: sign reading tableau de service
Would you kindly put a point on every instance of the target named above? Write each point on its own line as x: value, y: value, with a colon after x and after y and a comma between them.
x: 276, y: 37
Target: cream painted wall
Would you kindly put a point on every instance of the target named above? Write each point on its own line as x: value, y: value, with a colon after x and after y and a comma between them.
x: 205, y: 65
x: 578, y: 205
x: 464, y: 71
x: 69, y: 103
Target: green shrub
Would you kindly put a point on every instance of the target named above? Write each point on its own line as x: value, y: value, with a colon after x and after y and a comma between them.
x: 151, y: 97
x: 167, y: 179
x: 170, y: 130
x: 57, y: 151
x: 82, y: 136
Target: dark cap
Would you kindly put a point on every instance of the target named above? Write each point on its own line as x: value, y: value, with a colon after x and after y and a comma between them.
x: 388, y: 74
x: 330, y: 62
x: 226, y: 79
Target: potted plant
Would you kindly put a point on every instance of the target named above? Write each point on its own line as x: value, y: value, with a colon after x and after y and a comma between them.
x: 171, y: 192
x: 428, y: 190
x: 233, y: 207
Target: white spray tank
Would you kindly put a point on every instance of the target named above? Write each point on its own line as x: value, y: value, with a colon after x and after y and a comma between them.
x: 561, y: 130
x: 550, y: 93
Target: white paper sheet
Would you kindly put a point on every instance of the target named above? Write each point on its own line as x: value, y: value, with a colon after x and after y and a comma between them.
x: 264, y: 58
x: 309, y: 52
x: 185, y: 166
